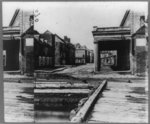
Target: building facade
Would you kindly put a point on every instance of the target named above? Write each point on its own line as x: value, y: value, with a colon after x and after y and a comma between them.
x: 124, y: 40
x: 12, y: 39
x: 83, y: 55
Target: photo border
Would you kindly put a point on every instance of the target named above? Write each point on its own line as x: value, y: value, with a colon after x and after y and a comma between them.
x: 1, y: 51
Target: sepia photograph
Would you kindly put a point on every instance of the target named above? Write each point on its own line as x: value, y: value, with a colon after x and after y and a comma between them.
x: 75, y: 62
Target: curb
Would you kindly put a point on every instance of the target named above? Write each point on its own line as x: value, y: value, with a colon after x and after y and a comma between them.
x: 50, y: 71
x: 82, y: 113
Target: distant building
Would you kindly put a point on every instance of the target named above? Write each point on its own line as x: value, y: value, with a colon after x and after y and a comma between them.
x: 83, y: 55
x: 80, y: 54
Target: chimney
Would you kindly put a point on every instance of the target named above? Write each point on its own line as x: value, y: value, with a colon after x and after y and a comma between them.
x: 66, y: 39
x: 94, y: 28
x: 142, y: 20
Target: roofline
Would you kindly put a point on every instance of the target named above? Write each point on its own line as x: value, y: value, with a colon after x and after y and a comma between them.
x: 125, y: 17
x: 47, y: 31
x: 111, y: 31
x: 59, y: 37
x: 14, y: 17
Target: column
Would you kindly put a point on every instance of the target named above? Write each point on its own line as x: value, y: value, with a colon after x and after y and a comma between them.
x: 131, y: 57
x: 97, y: 57
x: 20, y: 56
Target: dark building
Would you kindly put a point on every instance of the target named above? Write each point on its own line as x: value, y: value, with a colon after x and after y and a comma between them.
x: 12, y: 51
x: 60, y: 54
x: 24, y: 48
x: 70, y: 51
x: 47, y: 39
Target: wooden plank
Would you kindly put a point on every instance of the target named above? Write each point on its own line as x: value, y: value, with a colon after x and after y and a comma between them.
x: 50, y: 82
x: 62, y: 85
x: 61, y: 91
x: 81, y: 114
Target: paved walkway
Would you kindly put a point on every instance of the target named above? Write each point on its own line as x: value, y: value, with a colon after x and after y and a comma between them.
x: 122, y: 103
x: 19, y: 102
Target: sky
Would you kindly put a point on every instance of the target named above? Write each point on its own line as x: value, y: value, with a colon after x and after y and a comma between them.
x: 74, y: 19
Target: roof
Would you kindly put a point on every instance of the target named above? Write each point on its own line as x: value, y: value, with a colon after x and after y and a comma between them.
x: 11, y: 30
x: 14, y: 17
x: 111, y: 31
x: 141, y: 31
x: 30, y: 31
x: 47, y: 32
x: 59, y: 38
x: 125, y: 17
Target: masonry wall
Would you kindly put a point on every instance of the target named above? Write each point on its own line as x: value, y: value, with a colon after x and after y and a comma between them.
x: 141, y: 57
x: 70, y: 54
x: 23, y: 20
x: 133, y: 21
x: 49, y: 44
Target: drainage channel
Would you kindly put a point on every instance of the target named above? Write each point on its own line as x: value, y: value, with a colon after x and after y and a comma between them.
x: 55, y: 101
x: 64, y: 101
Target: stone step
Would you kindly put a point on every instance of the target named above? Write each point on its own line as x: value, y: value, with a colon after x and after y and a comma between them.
x: 61, y: 91
x: 62, y: 85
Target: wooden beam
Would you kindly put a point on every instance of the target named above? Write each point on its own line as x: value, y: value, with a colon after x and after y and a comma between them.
x: 61, y: 85
x: 61, y: 91
x: 82, y: 113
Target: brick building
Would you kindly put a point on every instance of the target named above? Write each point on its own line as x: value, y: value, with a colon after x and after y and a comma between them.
x: 60, y: 54
x: 62, y: 51
x: 12, y: 52
x: 47, y: 38
x: 126, y: 40
x: 23, y: 50
x: 70, y: 51
x: 139, y: 36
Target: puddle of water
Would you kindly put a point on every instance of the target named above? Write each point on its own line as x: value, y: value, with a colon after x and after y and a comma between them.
x: 18, y: 102
x: 51, y: 116
x: 55, y: 107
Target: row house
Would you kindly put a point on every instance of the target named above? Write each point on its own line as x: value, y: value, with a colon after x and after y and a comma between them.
x: 62, y: 51
x: 25, y: 49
